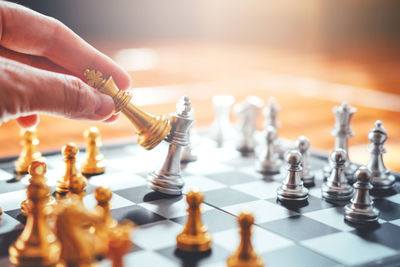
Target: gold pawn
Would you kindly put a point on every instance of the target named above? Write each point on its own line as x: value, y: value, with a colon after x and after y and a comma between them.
x: 29, y: 151
x: 194, y: 237
x: 37, y: 245
x: 103, y: 196
x: 245, y: 255
x: 94, y: 161
x: 151, y: 129
x: 72, y: 181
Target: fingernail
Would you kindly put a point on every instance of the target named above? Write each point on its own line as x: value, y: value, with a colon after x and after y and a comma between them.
x: 104, y: 105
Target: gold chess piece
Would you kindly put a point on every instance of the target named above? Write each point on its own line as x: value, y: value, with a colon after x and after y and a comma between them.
x: 72, y: 181
x: 119, y: 242
x: 194, y: 237
x: 245, y: 256
x: 151, y: 129
x: 94, y: 161
x: 50, y: 202
x: 103, y: 196
x: 29, y: 151
x: 1, y: 213
x: 37, y: 245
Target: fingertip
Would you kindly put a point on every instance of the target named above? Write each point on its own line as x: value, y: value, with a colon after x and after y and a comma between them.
x: 104, y: 106
x: 113, y: 119
x: 29, y: 121
x: 123, y: 79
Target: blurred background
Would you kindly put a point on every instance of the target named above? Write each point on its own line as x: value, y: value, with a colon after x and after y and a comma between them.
x: 311, y: 55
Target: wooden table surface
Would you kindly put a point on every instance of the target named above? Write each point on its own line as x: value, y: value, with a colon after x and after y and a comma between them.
x: 307, y: 86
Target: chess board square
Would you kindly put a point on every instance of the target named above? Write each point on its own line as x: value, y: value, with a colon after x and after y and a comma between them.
x: 116, y: 201
x: 171, y: 207
x: 263, y: 211
x: 225, y: 197
x: 260, y: 189
x: 388, y: 210
x: 137, y: 214
x: 217, y: 254
x: 347, y: 248
x: 6, y: 239
x: 298, y: 228
x: 8, y: 186
x: 8, y: 223
x: 214, y: 219
x: 144, y: 258
x: 206, y: 166
x: 394, y: 198
x: 385, y: 234
x: 262, y: 240
x: 250, y: 170
x: 231, y: 178
x: 117, y: 181
x: 296, y: 256
x: 313, y: 204
x: 141, y: 194
x: 4, y: 176
x: 333, y: 217
x: 157, y: 235
x: 16, y: 214
x: 12, y: 200
x: 202, y: 183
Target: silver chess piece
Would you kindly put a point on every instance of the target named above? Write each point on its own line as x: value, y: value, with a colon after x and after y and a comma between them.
x: 342, y: 132
x: 292, y: 188
x: 167, y: 179
x: 307, y: 175
x: 361, y: 210
x: 336, y: 187
x: 270, y: 113
x: 247, y: 113
x: 221, y: 127
x: 269, y: 161
x: 381, y: 177
x: 187, y: 151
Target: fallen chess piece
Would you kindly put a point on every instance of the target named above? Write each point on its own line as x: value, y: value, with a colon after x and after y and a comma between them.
x: 29, y: 151
x: 94, y: 162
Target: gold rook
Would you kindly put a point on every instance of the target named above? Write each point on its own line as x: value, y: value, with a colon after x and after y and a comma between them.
x: 151, y: 129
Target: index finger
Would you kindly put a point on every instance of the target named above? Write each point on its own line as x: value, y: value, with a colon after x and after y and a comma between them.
x: 26, y: 31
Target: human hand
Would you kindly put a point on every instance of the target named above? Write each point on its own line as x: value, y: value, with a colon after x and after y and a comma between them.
x: 41, y: 66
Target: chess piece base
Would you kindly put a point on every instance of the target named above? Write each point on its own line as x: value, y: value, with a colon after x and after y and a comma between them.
x: 272, y: 168
x: 349, y: 172
x: 309, y: 180
x: 360, y: 216
x: 234, y: 261
x: 94, y: 168
x: 337, y: 193
x: 21, y: 164
x: 170, y: 185
x: 297, y: 194
x: 192, y: 243
x: 386, y: 182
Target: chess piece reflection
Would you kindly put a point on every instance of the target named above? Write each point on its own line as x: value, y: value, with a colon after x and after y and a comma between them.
x: 37, y: 245
x: 72, y: 181
x: 151, y: 129
x: 94, y: 161
x: 194, y: 237
x: 29, y: 151
x: 245, y: 255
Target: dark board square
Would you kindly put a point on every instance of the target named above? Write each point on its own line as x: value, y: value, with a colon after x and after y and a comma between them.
x: 386, y: 234
x: 296, y: 256
x: 388, y: 210
x: 225, y: 197
x: 185, y: 259
x: 136, y: 214
x: 142, y: 194
x: 16, y: 214
x: 298, y: 228
x: 312, y: 204
x: 215, y: 220
x: 231, y: 178
x: 6, y: 239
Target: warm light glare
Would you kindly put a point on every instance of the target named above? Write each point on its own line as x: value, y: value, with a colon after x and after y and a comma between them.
x: 136, y: 59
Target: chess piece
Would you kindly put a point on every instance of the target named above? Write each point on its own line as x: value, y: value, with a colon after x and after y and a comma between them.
x: 221, y: 127
x: 336, y: 187
x: 360, y: 210
x: 292, y: 188
x: 194, y: 237
x: 1, y: 213
x: 151, y: 129
x: 94, y: 161
x: 103, y: 196
x: 29, y: 151
x: 167, y: 179
x: 381, y: 177
x: 307, y: 175
x: 342, y: 132
x: 270, y: 113
x: 245, y: 254
x: 119, y: 243
x: 247, y: 113
x: 269, y: 161
x: 50, y: 201
x: 72, y: 179
x: 187, y: 151
x: 37, y: 245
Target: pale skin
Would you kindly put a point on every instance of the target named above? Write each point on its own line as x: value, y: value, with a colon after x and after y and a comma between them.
x: 41, y: 70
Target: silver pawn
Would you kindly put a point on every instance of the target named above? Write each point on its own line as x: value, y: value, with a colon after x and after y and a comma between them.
x: 167, y: 179
x: 336, y: 187
x: 360, y: 210
x: 307, y: 175
x: 292, y: 188
x: 269, y: 161
x: 381, y: 177
x: 270, y: 113
x: 247, y: 116
x: 221, y: 127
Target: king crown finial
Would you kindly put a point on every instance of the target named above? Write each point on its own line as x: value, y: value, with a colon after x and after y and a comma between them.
x: 184, y: 108
x: 94, y: 77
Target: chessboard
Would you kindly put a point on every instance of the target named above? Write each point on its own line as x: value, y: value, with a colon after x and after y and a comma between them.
x: 283, y: 235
